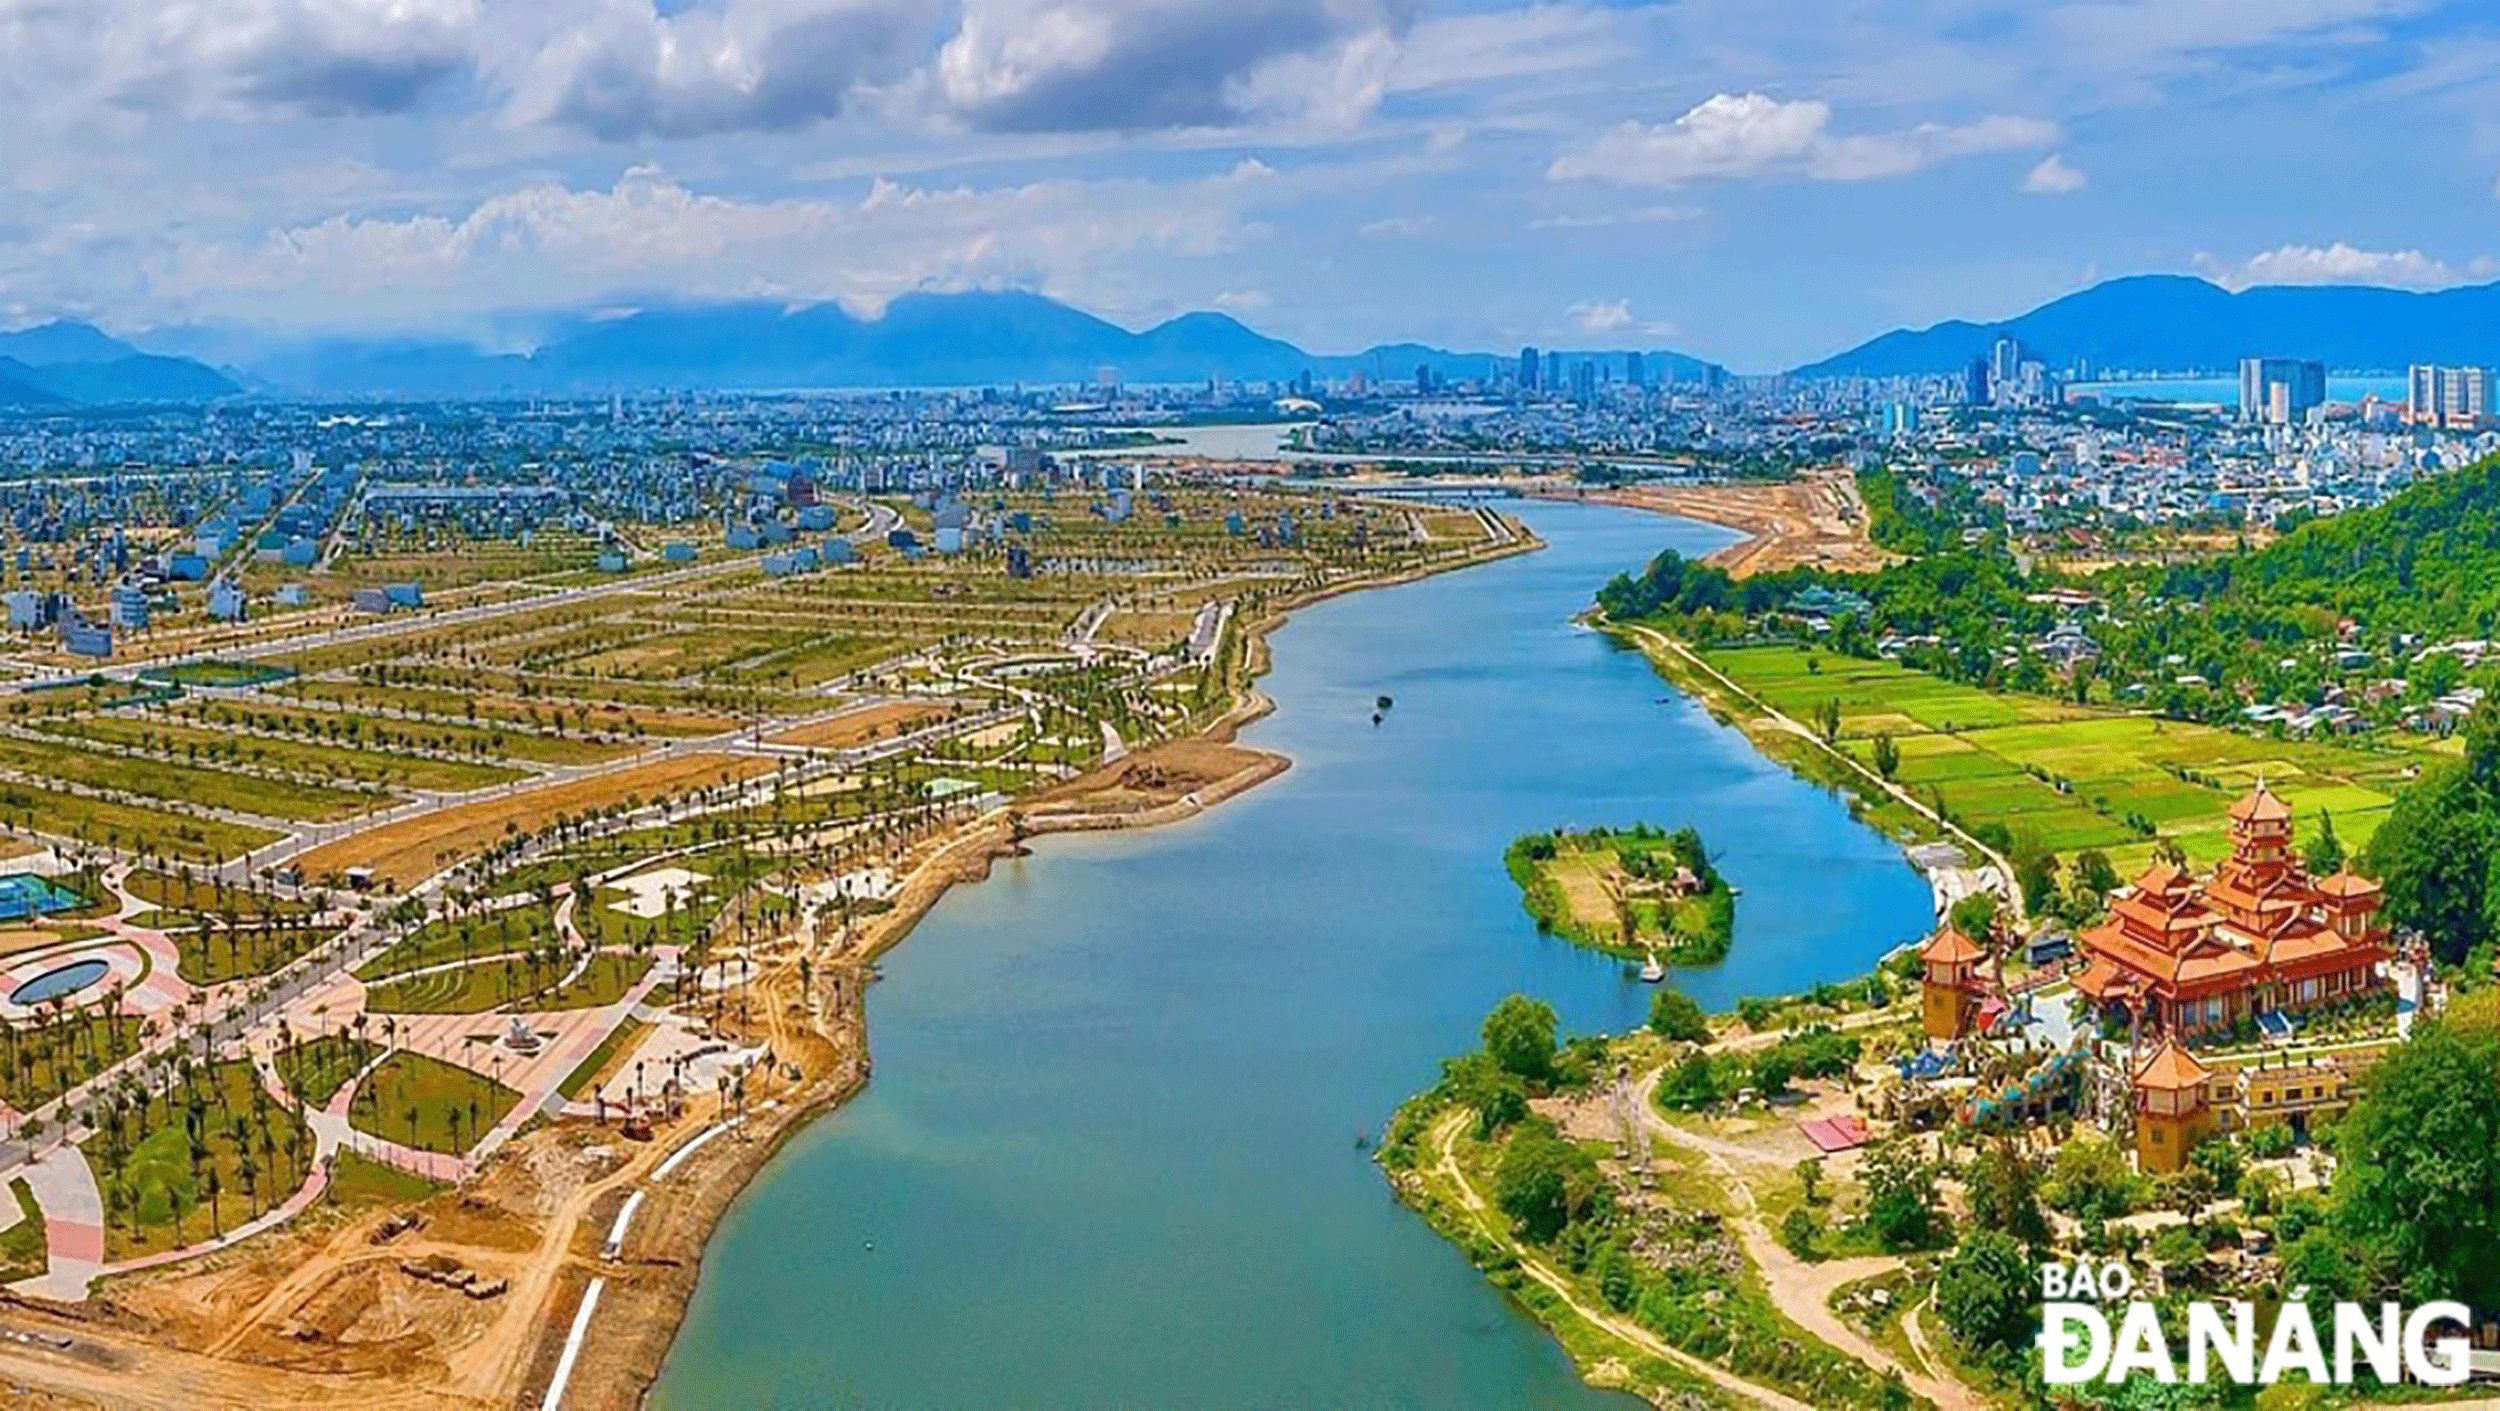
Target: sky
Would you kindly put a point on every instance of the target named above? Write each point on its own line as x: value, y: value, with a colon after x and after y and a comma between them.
x: 1761, y: 182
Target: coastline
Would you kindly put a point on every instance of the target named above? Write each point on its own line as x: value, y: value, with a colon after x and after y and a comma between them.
x: 638, y: 1319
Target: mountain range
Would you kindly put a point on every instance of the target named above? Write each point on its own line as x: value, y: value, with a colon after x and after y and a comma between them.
x: 2150, y: 323
x: 921, y: 340
x: 64, y: 363
x: 2139, y: 323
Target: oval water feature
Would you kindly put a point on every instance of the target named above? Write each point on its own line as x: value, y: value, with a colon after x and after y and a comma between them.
x: 66, y: 980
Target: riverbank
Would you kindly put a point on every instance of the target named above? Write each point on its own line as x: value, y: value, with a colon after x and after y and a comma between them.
x: 1160, y: 785
x: 1814, y: 521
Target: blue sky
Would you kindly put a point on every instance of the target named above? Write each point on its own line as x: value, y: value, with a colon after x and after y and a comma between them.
x: 1757, y: 181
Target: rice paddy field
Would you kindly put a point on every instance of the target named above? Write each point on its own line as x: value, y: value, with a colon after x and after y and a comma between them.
x: 2070, y: 777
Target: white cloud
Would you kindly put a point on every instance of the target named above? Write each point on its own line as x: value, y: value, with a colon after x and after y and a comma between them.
x: 551, y: 245
x: 2054, y: 178
x: 1242, y: 301
x: 1643, y: 215
x: 1731, y: 136
x: 1610, y: 317
x: 1393, y: 226
x: 2341, y: 263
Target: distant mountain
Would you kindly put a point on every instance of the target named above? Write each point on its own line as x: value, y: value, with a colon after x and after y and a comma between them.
x: 2171, y: 322
x: 19, y: 386
x: 63, y: 341
x: 933, y: 340
x: 65, y: 362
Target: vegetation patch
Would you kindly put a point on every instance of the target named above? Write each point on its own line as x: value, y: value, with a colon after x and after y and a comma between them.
x: 1632, y: 892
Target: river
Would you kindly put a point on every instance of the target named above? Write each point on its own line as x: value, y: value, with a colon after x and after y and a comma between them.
x: 1110, y: 1155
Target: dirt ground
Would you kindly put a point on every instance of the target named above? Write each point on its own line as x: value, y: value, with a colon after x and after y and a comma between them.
x: 1158, y: 777
x: 1816, y: 520
x: 415, y: 848
x: 858, y: 727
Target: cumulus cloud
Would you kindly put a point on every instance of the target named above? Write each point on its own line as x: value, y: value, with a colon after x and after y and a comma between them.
x: 625, y: 71
x: 549, y: 244
x: 2054, y: 178
x: 1735, y: 136
x: 1242, y: 301
x: 326, y: 58
x: 2342, y: 263
x: 1131, y: 65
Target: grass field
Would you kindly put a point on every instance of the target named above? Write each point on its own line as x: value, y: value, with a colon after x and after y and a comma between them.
x: 411, y: 849
x: 214, y: 958
x: 446, y: 939
x: 604, y: 981
x: 162, y: 1192
x: 467, y: 989
x: 2071, y: 777
x: 314, y: 1069
x: 607, y: 1058
x: 303, y: 756
x: 361, y: 1180
x: 429, y: 1104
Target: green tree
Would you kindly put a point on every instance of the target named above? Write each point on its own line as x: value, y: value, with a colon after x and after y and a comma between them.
x: 2419, y: 1181
x: 1900, y: 1195
x: 1519, y: 1034
x: 2325, y: 854
x: 1674, y: 1014
x: 1984, y: 1291
x: 1975, y: 916
x: 1543, y: 1182
x: 2005, y: 1192
x: 1887, y: 755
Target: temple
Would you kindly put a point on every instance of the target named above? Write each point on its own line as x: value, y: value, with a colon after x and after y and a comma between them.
x: 2260, y: 937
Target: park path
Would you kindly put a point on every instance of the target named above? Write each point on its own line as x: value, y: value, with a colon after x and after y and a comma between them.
x: 73, y: 1224
x: 1801, y: 1290
x: 1445, y: 1159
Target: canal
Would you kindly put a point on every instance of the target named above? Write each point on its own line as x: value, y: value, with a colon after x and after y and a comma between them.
x: 1110, y: 1157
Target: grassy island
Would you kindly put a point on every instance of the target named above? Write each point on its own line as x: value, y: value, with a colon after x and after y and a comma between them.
x: 1631, y: 892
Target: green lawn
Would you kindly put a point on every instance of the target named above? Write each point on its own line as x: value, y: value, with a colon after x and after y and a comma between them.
x: 467, y: 989
x: 438, y: 942
x: 314, y: 1069
x: 424, y: 1102
x: 162, y: 1191
x: 619, y: 1042
x: 361, y: 1180
x: 41, y: 1059
x: 212, y: 956
x: 2070, y: 777
x: 604, y: 981
x: 23, y: 1251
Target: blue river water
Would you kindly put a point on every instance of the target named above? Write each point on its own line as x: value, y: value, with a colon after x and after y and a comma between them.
x: 1110, y: 1155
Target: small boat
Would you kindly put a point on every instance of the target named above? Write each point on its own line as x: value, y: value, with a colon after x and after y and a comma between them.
x: 1652, y: 972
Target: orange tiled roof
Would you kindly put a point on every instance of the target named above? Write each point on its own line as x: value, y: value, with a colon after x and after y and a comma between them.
x: 2261, y: 806
x: 1950, y: 947
x: 2349, y: 883
x: 2171, y: 1069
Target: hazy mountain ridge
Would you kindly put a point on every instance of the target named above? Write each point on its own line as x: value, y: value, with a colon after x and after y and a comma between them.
x: 921, y: 340
x: 2169, y: 322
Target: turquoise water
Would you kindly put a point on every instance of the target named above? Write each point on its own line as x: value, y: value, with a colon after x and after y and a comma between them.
x: 25, y: 894
x: 1109, y: 1158
x: 52, y: 984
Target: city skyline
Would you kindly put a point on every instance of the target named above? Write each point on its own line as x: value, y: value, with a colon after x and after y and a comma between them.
x: 1757, y: 185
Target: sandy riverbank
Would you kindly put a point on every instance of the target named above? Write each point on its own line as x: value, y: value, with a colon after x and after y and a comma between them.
x: 1814, y: 521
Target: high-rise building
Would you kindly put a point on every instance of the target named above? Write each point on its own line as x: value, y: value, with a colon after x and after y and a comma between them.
x: 1636, y: 370
x: 2455, y: 398
x: 1975, y: 383
x: 1584, y: 381
x: 1528, y: 368
x: 2005, y: 370
x: 2280, y: 391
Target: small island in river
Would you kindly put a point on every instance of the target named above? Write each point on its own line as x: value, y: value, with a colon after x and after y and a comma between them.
x: 1638, y: 892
